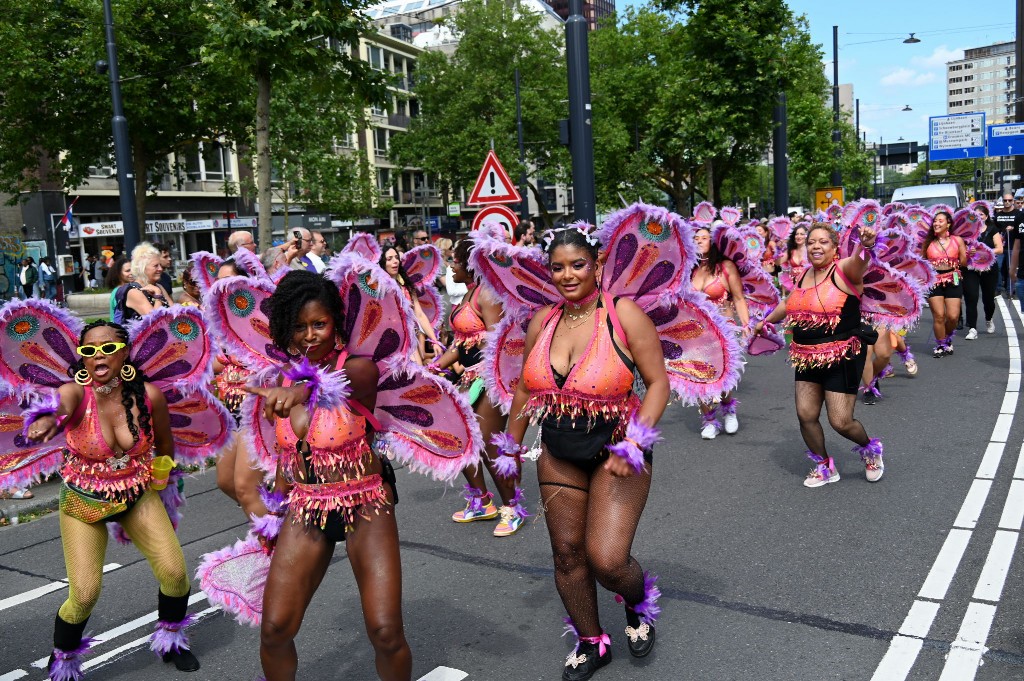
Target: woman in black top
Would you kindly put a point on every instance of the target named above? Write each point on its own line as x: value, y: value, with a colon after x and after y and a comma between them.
x: 983, y: 282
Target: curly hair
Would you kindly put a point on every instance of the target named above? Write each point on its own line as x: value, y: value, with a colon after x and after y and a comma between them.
x: 113, y: 278
x: 142, y: 254
x: 297, y: 288
x: 462, y: 251
x: 833, y: 235
x: 133, y: 392
x: 569, y: 236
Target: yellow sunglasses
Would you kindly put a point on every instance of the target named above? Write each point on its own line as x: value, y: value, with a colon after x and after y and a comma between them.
x: 105, y: 349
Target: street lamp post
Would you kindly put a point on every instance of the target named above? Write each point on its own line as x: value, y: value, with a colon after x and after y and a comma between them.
x: 837, y: 177
x: 122, y: 147
x: 581, y: 133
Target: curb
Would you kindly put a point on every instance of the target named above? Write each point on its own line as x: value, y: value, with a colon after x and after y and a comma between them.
x: 47, y: 497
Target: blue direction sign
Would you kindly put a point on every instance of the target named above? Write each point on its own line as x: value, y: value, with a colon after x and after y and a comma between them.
x: 1006, y: 140
x: 956, y: 136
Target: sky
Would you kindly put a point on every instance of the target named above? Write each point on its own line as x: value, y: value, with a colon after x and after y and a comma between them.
x: 886, y: 73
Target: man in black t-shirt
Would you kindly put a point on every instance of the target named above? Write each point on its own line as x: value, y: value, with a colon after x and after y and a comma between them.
x: 1006, y: 218
x: 1015, y: 239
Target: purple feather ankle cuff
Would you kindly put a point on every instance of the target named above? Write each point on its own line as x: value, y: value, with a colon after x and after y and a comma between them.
x: 871, y: 449
x: 509, y: 451
x: 648, y: 609
x: 475, y: 498
x: 170, y: 637
x: 516, y: 503
x: 729, y: 405
x: 67, y: 664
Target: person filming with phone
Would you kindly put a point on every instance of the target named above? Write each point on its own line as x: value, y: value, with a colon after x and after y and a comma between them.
x: 297, y: 251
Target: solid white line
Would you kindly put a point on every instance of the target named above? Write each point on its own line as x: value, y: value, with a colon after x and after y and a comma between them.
x: 1009, y: 403
x: 966, y: 651
x: 40, y: 591
x: 946, y: 563
x: 16, y: 674
x: 101, y: 660
x: 899, y: 659
x: 1015, y: 365
x: 444, y: 674
x: 973, y: 505
x: 1013, y: 383
x: 1002, y: 429
x: 997, y: 565
x: 1014, y: 352
x: 919, y: 619
x: 1018, y: 471
x: 1013, y: 510
x: 1013, y: 342
x: 990, y: 462
x: 125, y: 628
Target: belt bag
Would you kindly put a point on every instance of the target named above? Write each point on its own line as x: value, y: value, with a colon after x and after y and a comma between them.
x: 91, y: 508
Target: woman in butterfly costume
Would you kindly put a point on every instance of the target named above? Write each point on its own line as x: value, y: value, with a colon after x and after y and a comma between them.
x: 830, y: 340
x: 136, y: 394
x: 730, y: 274
x: 590, y: 322
x: 329, y: 399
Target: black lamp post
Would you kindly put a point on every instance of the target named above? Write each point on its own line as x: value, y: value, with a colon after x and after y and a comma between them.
x: 581, y: 132
x: 122, y: 147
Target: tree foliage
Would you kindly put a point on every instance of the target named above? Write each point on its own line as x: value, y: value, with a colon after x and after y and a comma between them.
x: 467, y: 99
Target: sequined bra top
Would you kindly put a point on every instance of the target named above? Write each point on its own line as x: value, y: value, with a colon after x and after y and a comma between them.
x: 467, y: 323
x: 715, y: 288
x: 944, y: 258
x: 92, y: 464
x: 596, y: 385
x: 328, y: 468
x: 822, y: 309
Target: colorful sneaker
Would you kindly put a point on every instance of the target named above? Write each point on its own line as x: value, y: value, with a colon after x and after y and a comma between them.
x: 821, y: 474
x: 871, y: 455
x: 510, y: 521
x: 476, y: 508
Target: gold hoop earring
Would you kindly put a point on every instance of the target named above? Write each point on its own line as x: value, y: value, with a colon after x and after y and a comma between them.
x: 128, y: 372
x: 83, y: 377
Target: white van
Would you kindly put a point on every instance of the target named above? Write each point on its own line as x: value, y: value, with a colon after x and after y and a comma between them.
x: 931, y: 195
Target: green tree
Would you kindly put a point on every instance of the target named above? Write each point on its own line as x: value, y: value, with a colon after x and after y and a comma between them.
x: 467, y: 99
x: 263, y: 42
x: 56, y: 108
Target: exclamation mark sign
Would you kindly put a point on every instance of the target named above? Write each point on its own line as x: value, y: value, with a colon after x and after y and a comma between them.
x: 494, y: 182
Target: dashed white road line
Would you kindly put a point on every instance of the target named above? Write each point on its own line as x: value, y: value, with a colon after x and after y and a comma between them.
x: 441, y: 674
x: 969, y: 646
x: 41, y: 591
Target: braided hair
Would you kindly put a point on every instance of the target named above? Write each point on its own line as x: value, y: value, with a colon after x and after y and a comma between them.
x: 570, y: 236
x: 133, y: 392
x: 297, y: 288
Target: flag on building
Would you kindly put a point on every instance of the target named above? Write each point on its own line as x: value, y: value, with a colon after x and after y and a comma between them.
x: 67, y: 222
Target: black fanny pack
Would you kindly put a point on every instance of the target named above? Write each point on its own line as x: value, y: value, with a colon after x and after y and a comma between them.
x: 570, y: 439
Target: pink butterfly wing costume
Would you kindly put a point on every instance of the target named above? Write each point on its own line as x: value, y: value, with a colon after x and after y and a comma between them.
x: 423, y: 265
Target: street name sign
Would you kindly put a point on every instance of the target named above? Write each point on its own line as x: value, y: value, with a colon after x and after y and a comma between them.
x: 956, y: 136
x: 1006, y: 140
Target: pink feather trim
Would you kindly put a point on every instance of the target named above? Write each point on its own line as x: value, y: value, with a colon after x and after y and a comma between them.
x: 195, y: 381
x: 267, y: 526
x: 275, y: 502
x: 245, y: 607
x: 32, y: 473
x: 329, y: 389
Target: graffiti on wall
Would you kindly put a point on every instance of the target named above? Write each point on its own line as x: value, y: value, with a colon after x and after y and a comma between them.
x: 12, y: 250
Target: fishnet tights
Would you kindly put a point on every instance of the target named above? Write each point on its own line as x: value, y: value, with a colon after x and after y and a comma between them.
x: 85, y: 546
x: 839, y: 406
x: 591, y: 519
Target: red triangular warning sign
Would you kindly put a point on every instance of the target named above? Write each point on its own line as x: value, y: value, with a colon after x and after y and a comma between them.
x: 493, y: 185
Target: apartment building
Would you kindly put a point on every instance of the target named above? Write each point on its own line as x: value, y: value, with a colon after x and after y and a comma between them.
x: 985, y: 80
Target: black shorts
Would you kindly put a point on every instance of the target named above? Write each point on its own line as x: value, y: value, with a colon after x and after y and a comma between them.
x: 948, y: 290
x: 334, y: 529
x: 843, y: 377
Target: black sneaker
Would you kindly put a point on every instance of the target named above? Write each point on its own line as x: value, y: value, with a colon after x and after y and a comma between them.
x: 583, y: 662
x: 939, y: 351
x: 640, y: 640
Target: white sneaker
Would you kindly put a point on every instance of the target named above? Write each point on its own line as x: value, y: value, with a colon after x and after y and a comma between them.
x: 990, y: 326
x: 731, y: 423
x: 972, y: 334
x: 710, y: 432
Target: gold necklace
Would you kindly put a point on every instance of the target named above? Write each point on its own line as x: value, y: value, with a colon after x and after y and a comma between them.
x: 582, y: 319
x: 582, y: 315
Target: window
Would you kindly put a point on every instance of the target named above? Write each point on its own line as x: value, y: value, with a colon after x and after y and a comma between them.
x: 376, y: 58
x: 968, y: 102
x: 968, y: 78
x: 105, y: 167
x: 376, y: 110
x: 384, y: 181
x: 380, y: 143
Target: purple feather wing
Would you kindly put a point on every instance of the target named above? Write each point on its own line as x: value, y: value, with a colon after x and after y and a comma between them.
x: 259, y: 433
x: 422, y: 264
x: 364, y: 245
x: 967, y: 225
x: 768, y: 342
x: 23, y: 463
x: 760, y: 291
x: 432, y: 304
x: 37, y: 344
x: 744, y: 248
x: 378, y: 319
x: 206, y: 265
x: 518, y: 276
x: 892, y: 208
x: 237, y: 309
x: 650, y: 253
x: 981, y: 258
x: 426, y: 422
x: 704, y: 213
x: 890, y: 299
x: 172, y: 346
x: 503, y: 358
x: 200, y: 425
x: 702, y: 356
x: 730, y: 215
x: 863, y: 213
x: 780, y: 228
x: 251, y: 263
x: 235, y: 577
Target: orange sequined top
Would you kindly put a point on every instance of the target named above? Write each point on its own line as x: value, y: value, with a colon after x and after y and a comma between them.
x: 329, y: 474
x: 467, y: 322
x: 715, y: 288
x: 91, y: 464
x: 946, y: 261
x: 597, y: 385
x: 824, y: 320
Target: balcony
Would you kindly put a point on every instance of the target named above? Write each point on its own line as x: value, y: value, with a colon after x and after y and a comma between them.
x: 398, y: 120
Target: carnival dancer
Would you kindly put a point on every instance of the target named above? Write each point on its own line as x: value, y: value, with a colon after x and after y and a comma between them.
x: 828, y: 349
x: 102, y: 431
x: 947, y: 254
x: 793, y: 262
x: 717, y: 277
x: 427, y: 345
x: 597, y: 438
x: 577, y: 380
x: 478, y: 314
x: 334, y: 392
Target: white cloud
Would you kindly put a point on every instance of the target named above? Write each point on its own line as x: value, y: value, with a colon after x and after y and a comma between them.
x: 904, y: 77
x: 938, y: 58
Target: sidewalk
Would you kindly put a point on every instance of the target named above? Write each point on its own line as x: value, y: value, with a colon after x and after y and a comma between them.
x: 46, y: 496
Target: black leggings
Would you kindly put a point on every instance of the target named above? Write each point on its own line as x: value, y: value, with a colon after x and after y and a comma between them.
x: 985, y: 282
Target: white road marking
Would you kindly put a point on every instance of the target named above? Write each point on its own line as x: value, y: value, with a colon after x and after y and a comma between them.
x: 443, y: 674
x: 1013, y: 510
x: 110, y: 656
x: 1013, y: 383
x: 990, y: 462
x: 1009, y: 403
x: 1014, y: 352
x: 973, y: 505
x: 899, y: 659
x: 1018, y: 471
x: 946, y: 563
x: 40, y: 591
x: 1002, y: 429
x: 997, y: 565
x: 966, y: 651
x: 919, y: 619
x: 16, y: 674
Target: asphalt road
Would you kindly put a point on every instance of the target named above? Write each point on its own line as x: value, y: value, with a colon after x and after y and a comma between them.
x: 762, y: 578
